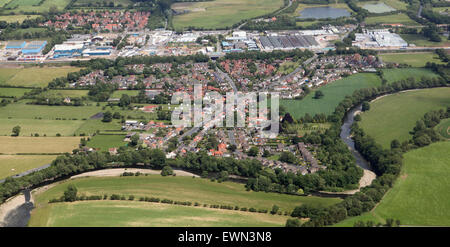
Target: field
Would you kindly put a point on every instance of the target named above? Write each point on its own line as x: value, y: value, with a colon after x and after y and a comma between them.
x: 118, y: 93
x: 377, y: 7
x: 139, y: 214
x: 104, y: 142
x: 221, y: 13
x: 391, y: 19
x: 13, y: 145
x: 393, y: 75
x: 32, y: 76
x: 443, y: 128
x: 93, y: 125
x: 420, y: 40
x: 47, y: 127
x: 33, y: 5
x: 124, y: 3
x: 394, y: 116
x: 174, y: 188
x: 16, y: 18
x: 14, y: 92
x: 395, y: 4
x: 420, y: 195
x: 15, y: 164
x: 302, y: 6
x: 334, y: 93
x: 302, y: 129
x: 66, y: 93
x: 416, y: 59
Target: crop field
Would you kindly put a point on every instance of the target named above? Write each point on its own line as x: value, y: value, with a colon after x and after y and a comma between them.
x: 34, y: 6
x: 443, y: 128
x: 14, y: 145
x: 104, y: 142
x: 221, y: 13
x: 400, y: 18
x: 33, y: 76
x: 377, y: 7
x: 394, y: 116
x: 420, y: 40
x: 139, y: 214
x: 391, y: 5
x: 14, y: 164
x: 13, y: 92
x: 416, y: 59
x: 16, y: 18
x: 420, y: 195
x: 302, y: 6
x: 334, y: 93
x: 393, y: 75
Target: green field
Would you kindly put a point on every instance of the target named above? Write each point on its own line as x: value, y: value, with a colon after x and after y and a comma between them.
x: 221, y: 13
x: 66, y: 93
x: 393, y: 75
x: 443, y: 128
x: 394, y: 116
x: 37, y: 145
x: 15, y: 92
x: 16, y: 18
x: 420, y: 40
x: 334, y: 93
x: 140, y: 214
x: 396, y: 4
x: 33, y: 76
x: 174, y: 188
x: 420, y: 195
x: 15, y: 164
x: 104, y: 142
x: 400, y: 18
x: 118, y: 93
x: 93, y: 125
x: 416, y: 59
x: 34, y: 6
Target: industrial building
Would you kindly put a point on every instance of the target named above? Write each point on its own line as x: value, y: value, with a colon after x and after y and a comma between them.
x: 286, y: 42
x: 378, y: 38
x: 16, y: 45
x: 96, y: 52
x: 34, y: 47
x: 68, y: 50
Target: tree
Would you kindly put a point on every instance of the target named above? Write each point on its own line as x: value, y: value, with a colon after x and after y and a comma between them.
x: 107, y: 117
x: 287, y: 157
x: 275, y: 209
x: 293, y: 223
x: 70, y: 195
x: 16, y: 131
x: 167, y: 171
x: 365, y: 106
x: 318, y: 94
x: 125, y: 100
x: 395, y: 144
x: 134, y: 140
x: 253, y: 151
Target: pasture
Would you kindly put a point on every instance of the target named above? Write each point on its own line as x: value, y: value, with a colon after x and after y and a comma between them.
x: 35, y: 5
x: 38, y: 145
x: 93, y: 125
x: 416, y: 59
x: 221, y: 13
x: 144, y: 214
x: 40, y: 126
x: 377, y: 7
x: 66, y: 93
x: 334, y: 93
x: 118, y: 93
x: 420, y: 195
x: 394, y: 116
x: 422, y: 41
x: 400, y: 18
x: 393, y: 75
x: 33, y: 76
x: 104, y: 142
x: 14, y: 164
x: 13, y: 92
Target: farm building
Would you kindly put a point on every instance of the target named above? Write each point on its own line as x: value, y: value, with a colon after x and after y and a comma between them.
x: 16, y: 45
x: 34, y: 47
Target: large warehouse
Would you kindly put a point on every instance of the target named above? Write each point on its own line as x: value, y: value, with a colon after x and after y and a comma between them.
x: 66, y: 50
x: 33, y: 47
x: 286, y: 42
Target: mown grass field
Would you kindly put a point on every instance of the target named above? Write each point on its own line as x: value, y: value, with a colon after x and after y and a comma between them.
x: 394, y: 116
x: 32, y: 126
x: 333, y: 94
x: 221, y: 13
x: 393, y: 75
x: 33, y: 76
x: 416, y: 59
x: 302, y: 6
x: 13, y: 145
x: 400, y: 18
x: 14, y: 92
x: 118, y: 93
x: 66, y: 93
x: 14, y: 164
x: 16, y: 18
x: 104, y: 142
x: 420, y: 40
x: 443, y: 128
x: 396, y: 4
x: 141, y: 214
x: 420, y: 195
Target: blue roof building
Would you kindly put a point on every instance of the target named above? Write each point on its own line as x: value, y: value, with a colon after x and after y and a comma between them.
x: 16, y: 45
x: 34, y: 47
